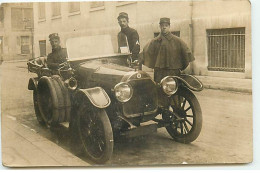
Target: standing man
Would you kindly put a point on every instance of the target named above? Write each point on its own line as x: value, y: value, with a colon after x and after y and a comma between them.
x: 127, y: 37
x: 58, y: 54
x: 167, y: 54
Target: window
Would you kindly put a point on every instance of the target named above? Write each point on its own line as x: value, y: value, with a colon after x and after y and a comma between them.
x: 28, y: 17
x: 42, y: 44
x: 56, y: 9
x: 96, y: 4
x: 74, y: 7
x: 41, y: 10
x: 17, y: 18
x: 21, y: 18
x: 226, y: 49
x: 25, y: 45
x: 176, y: 33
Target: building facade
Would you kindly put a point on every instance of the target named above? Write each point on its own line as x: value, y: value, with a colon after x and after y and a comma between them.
x: 16, y: 31
x: 218, y: 32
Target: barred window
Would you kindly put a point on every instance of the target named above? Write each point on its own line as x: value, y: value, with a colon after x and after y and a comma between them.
x: 41, y: 10
x: 25, y: 45
x: 226, y: 49
x: 74, y: 7
x: 56, y: 9
x: 176, y: 33
x: 97, y: 4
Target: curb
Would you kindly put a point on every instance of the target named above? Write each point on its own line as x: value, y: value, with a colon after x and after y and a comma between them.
x: 14, y: 61
x: 226, y: 88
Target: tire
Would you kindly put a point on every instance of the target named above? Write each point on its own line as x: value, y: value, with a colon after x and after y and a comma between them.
x: 185, y: 105
x: 95, y: 133
x: 76, y: 146
x: 53, y: 100
x: 36, y: 109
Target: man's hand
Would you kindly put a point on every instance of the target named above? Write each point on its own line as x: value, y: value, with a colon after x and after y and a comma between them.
x: 129, y: 61
x: 135, y: 63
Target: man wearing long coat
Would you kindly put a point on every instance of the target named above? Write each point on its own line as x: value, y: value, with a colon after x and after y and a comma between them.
x: 167, y: 54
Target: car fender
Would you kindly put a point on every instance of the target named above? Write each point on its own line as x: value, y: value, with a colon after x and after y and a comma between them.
x: 190, y: 82
x: 32, y: 85
x: 97, y: 96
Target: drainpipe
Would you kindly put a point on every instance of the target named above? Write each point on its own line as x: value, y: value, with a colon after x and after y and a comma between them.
x: 32, y: 32
x: 191, y: 35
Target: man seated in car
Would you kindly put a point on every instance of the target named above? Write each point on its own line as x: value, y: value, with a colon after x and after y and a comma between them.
x: 58, y: 54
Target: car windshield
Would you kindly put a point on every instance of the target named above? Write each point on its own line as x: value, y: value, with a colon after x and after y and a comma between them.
x: 89, y: 47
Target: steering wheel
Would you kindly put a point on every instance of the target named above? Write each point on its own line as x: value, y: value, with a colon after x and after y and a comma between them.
x: 63, y: 65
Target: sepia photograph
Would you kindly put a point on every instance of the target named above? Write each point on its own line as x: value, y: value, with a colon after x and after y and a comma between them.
x: 126, y: 83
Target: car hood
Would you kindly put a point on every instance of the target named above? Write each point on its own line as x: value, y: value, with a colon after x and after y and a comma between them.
x: 107, y: 74
x: 105, y: 68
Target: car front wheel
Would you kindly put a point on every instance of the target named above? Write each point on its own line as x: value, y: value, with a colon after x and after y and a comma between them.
x: 185, y: 116
x: 95, y: 133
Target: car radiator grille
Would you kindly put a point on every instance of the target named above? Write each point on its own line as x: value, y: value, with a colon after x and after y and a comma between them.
x: 144, y: 99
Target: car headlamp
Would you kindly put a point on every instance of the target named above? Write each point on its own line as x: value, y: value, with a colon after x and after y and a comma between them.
x: 169, y: 85
x: 123, y: 92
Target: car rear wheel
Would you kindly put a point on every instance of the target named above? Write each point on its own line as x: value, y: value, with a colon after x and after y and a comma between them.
x: 95, y: 133
x: 36, y: 108
x: 184, y: 115
x: 53, y: 100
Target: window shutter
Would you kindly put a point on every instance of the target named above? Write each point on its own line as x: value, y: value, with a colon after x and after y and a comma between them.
x: 1, y: 14
x: 18, y: 41
x: 18, y: 44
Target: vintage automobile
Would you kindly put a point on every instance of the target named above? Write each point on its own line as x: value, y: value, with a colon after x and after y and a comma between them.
x: 103, y: 96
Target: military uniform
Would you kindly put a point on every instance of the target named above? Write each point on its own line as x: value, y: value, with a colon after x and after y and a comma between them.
x: 56, y: 57
x: 132, y: 41
x: 128, y: 37
x: 58, y: 54
x: 167, y: 55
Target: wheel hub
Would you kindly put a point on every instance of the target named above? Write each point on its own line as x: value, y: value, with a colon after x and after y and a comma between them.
x: 181, y: 113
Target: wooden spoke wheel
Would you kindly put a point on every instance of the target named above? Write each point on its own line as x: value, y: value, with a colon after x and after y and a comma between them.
x: 95, y: 133
x: 185, y: 115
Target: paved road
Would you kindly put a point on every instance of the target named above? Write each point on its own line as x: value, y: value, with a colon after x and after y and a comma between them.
x: 226, y: 136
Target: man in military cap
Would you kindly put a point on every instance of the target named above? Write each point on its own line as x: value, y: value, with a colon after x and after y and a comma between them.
x: 58, y: 54
x: 167, y: 54
x: 127, y: 37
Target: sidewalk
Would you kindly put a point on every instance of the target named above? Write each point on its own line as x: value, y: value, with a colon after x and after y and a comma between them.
x: 23, y: 147
x: 230, y: 84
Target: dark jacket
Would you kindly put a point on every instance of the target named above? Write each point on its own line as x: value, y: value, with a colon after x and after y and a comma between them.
x: 167, y: 52
x: 132, y: 41
x: 56, y: 57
